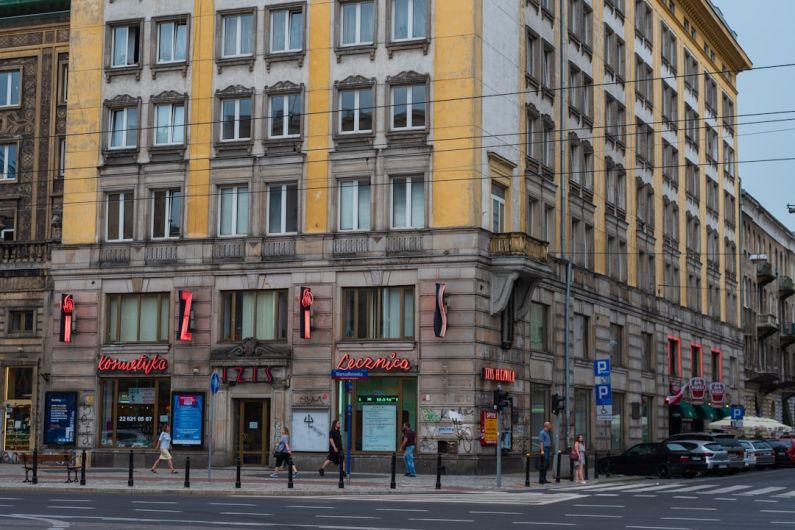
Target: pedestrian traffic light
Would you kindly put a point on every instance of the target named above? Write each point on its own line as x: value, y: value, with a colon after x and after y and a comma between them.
x: 502, y: 399
x: 558, y: 404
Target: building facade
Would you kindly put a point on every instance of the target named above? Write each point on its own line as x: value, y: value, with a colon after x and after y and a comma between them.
x: 34, y: 46
x: 272, y: 193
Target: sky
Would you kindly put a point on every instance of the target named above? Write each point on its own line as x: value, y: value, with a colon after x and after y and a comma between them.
x: 765, y: 31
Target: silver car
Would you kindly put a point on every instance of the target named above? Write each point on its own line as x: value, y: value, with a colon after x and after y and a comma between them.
x: 707, y: 457
x: 762, y: 451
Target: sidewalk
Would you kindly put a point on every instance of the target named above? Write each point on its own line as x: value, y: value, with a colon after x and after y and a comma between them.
x: 257, y: 481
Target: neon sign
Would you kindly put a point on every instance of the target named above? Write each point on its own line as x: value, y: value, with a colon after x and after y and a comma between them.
x: 246, y: 374
x: 388, y: 364
x: 185, y: 302
x: 306, y: 314
x: 440, y: 312
x: 143, y: 364
x: 67, y: 312
x: 504, y: 375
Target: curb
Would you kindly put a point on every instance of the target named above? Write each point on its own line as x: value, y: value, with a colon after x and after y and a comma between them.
x: 234, y: 492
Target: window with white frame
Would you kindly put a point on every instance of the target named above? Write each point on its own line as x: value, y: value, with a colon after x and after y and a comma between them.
x: 356, y: 110
x: 358, y: 21
x: 123, y: 128
x: 7, y: 224
x: 61, y: 157
x: 282, y: 208
x: 170, y: 124
x: 236, y: 119
x: 8, y: 161
x: 258, y: 314
x: 9, y: 88
x: 285, y: 115
x: 64, y: 82
x: 354, y: 205
x: 233, y: 211
x: 172, y: 41
x: 409, y: 19
x: 378, y: 312
x: 119, y: 216
x: 408, y: 202
x: 408, y: 106
x: 497, y: 208
x: 138, y: 318
x: 237, y: 39
x: 125, y: 46
x: 166, y: 213
x: 287, y: 30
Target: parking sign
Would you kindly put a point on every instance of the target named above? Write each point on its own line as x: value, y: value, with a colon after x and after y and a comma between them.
x: 603, y: 390
x: 738, y: 413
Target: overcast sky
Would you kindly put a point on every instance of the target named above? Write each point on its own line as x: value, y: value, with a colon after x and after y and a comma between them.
x: 765, y: 30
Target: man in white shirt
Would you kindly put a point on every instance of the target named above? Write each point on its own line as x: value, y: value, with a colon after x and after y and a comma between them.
x: 164, y: 444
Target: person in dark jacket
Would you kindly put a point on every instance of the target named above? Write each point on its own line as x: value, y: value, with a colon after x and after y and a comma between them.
x: 334, y: 448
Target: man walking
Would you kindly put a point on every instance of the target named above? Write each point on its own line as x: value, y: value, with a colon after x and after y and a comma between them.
x: 164, y: 444
x: 545, y: 448
x: 409, y: 441
x: 334, y: 446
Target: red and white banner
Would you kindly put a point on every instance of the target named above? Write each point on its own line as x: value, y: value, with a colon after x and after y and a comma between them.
x: 698, y: 388
x: 717, y: 393
x: 675, y: 398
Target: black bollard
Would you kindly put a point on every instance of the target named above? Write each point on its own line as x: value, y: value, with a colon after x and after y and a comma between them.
x: 439, y: 471
x: 607, y: 469
x: 527, y: 471
x: 35, y: 479
x: 557, y: 475
x: 585, y: 463
x: 237, y: 480
x: 289, y: 473
x: 341, y: 483
x: 571, y: 468
x: 130, y: 474
x: 187, y: 472
x: 83, y: 469
x: 392, y: 484
x: 595, y: 464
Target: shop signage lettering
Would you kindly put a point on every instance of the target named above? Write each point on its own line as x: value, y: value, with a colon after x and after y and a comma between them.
x: 377, y: 399
x: 503, y: 375
x: 246, y: 374
x: 185, y: 302
x: 391, y: 363
x: 67, y: 315
x: 306, y: 314
x: 717, y: 392
x: 698, y: 387
x: 143, y: 364
x: 133, y: 419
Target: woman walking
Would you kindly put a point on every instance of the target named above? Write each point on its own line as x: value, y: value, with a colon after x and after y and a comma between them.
x: 164, y: 444
x: 579, y: 464
x: 283, y: 454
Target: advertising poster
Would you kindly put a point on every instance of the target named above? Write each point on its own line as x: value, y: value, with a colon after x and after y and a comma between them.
x: 310, y: 430
x: 60, y: 413
x: 379, y: 427
x: 488, y: 428
x: 187, y: 418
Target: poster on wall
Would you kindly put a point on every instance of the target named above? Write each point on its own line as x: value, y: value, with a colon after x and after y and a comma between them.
x: 379, y: 427
x: 187, y: 418
x: 310, y: 430
x: 60, y: 412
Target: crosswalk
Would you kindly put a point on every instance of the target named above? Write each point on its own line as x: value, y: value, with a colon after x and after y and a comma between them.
x: 711, y: 489
x: 527, y: 498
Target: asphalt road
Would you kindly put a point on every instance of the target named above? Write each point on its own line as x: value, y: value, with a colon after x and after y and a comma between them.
x: 746, y: 501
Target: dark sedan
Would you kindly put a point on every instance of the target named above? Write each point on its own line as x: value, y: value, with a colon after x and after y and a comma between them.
x: 781, y: 451
x: 663, y: 459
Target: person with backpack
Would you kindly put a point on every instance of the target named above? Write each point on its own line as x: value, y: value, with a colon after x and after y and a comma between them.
x: 283, y: 454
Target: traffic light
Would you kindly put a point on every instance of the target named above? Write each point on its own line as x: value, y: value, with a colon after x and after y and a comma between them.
x: 502, y: 399
x: 558, y: 404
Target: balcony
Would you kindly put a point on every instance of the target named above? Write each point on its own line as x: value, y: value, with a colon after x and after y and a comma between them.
x: 785, y: 287
x: 787, y: 336
x: 518, y: 263
x: 764, y: 273
x: 766, y: 325
x: 23, y: 254
x: 518, y: 244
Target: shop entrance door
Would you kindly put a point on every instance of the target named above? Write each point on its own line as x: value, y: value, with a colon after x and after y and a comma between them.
x: 253, y: 440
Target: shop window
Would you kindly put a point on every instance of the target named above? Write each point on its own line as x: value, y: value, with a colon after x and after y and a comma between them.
x: 133, y: 411
x: 138, y: 318
x: 20, y: 321
x: 378, y: 427
x: 617, y: 422
x: 539, y: 410
x: 258, y: 314
x: 538, y: 327
x: 378, y: 313
x: 646, y: 416
x: 18, y: 405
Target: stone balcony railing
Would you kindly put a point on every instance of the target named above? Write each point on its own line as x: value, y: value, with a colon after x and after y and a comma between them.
x: 518, y: 244
x: 24, y: 253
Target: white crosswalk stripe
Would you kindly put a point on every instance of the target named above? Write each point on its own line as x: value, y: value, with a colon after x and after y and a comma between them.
x: 728, y: 489
x: 763, y: 491
x: 657, y: 488
x: 491, y: 497
x: 787, y: 495
x: 694, y: 488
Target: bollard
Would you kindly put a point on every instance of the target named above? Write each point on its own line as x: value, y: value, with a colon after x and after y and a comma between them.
x: 83, y: 469
x: 585, y: 463
x: 439, y: 471
x: 341, y: 484
x: 187, y: 472
x: 35, y: 479
x: 527, y: 471
x: 595, y: 464
x: 557, y: 475
x: 571, y: 467
x: 607, y: 468
x: 290, y: 473
x: 237, y: 480
x: 392, y: 484
x: 130, y: 473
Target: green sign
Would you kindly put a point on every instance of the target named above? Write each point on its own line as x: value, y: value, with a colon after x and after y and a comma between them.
x: 377, y: 399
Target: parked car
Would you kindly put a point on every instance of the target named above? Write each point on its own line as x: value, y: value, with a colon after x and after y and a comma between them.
x: 762, y: 451
x: 729, y: 443
x: 706, y: 456
x: 781, y: 451
x: 663, y: 459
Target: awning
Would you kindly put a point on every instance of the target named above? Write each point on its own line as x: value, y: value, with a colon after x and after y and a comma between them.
x: 705, y: 412
x: 724, y: 412
x: 683, y: 410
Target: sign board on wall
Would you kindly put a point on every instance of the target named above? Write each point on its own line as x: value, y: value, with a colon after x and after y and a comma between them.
x: 60, y: 411
x: 310, y: 430
x: 379, y: 424
x: 488, y: 428
x: 603, y: 390
x: 187, y: 413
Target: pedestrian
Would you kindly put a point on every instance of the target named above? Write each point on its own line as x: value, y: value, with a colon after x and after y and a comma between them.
x: 334, y: 447
x: 579, y: 463
x: 545, y: 448
x: 284, y: 454
x: 407, y: 445
x: 164, y: 444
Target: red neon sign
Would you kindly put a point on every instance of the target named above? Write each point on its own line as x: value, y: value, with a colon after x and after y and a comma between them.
x: 388, y: 364
x: 186, y: 299
x: 142, y: 364
x: 306, y: 315
x: 67, y: 310
x: 504, y: 375
x: 246, y: 374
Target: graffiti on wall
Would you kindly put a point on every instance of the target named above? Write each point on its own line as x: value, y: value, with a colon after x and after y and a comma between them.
x: 446, y: 425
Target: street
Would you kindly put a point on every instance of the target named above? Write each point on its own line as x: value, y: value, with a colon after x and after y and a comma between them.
x: 747, y: 501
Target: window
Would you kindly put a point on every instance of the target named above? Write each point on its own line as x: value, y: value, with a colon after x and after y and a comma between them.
x: 507, y: 320
x: 8, y: 162
x: 237, y: 35
x: 645, y: 143
x: 172, y: 41
x: 696, y: 368
x: 710, y: 95
x: 409, y: 19
x: 643, y: 22
x: 582, y: 412
x: 728, y: 113
x: 408, y: 202
x: 531, y: 59
x: 408, y: 107
x: 119, y: 216
x: 728, y: 161
x: 670, y: 167
x: 61, y: 157
x: 717, y: 365
x: 287, y: 30
x: 64, y: 83
x: 646, y: 418
x: 170, y: 124
x: 166, y: 214
x: 581, y: 331
x: 647, y: 351
x: 615, y: 61
x: 548, y: 145
x: 615, y: 117
x: 549, y: 223
x: 538, y: 327
x: 129, y: 421
x: 285, y: 115
x: 670, y: 105
x: 123, y: 130
x: 668, y: 48
x: 356, y: 110
x: 693, y: 184
x: 258, y: 314
x: 378, y: 313
x: 137, y: 318
x: 691, y: 73
x: 354, y: 205
x: 547, y: 65
x: 497, y: 208
x: 9, y: 88
x: 712, y: 146
x: 691, y: 127
x: 616, y: 433
x: 7, y: 224
x: 616, y: 345
x: 125, y: 47
x: 674, y: 357
x: 236, y: 119
x: 644, y: 79
x: 282, y: 208
x: 233, y: 218
x: 17, y: 410
x: 539, y: 410
x: 358, y: 20
x: 20, y: 321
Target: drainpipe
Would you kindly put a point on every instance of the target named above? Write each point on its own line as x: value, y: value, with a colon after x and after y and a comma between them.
x: 741, y: 257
